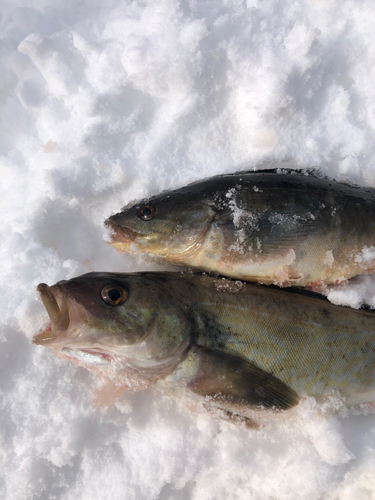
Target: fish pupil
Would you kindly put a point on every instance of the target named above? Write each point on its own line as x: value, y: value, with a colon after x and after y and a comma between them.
x: 146, y: 212
x: 113, y: 294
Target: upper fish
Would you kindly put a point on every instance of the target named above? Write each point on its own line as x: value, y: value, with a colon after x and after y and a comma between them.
x: 274, y: 227
x: 226, y: 345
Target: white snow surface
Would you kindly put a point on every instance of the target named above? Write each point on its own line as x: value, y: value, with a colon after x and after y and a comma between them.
x: 103, y: 102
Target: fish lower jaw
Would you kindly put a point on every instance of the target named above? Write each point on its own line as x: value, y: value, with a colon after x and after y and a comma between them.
x: 45, y: 337
x: 88, y: 356
x: 56, y: 339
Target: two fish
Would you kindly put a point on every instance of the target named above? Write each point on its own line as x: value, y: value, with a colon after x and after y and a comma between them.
x: 235, y: 348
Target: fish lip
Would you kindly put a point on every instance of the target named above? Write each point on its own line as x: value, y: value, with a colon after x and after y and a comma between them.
x: 49, y: 302
x: 58, y: 313
x: 118, y: 232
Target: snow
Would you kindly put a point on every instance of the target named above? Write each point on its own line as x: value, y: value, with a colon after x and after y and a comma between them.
x: 103, y: 102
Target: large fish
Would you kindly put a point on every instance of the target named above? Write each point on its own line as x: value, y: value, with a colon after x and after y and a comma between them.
x: 285, y: 228
x: 237, y: 348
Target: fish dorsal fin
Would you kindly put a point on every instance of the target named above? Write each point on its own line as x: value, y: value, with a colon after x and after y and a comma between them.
x: 226, y: 377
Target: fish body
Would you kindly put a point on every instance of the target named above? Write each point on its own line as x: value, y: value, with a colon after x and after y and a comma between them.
x: 285, y: 228
x: 227, y: 345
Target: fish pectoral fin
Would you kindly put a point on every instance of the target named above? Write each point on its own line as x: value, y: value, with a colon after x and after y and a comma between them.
x: 231, y: 379
x: 280, y: 230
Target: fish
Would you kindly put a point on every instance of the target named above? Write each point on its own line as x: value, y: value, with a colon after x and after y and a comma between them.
x: 282, y: 227
x: 237, y: 350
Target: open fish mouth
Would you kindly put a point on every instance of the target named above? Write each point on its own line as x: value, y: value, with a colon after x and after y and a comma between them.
x: 58, y: 314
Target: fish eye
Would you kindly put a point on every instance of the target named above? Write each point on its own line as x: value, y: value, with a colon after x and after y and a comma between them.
x: 147, y: 212
x: 114, y: 294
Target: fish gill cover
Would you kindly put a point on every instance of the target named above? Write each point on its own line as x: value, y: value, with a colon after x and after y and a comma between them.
x: 101, y: 104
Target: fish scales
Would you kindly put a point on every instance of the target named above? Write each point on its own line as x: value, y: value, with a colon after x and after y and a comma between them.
x: 284, y: 228
x: 223, y: 343
x: 282, y: 330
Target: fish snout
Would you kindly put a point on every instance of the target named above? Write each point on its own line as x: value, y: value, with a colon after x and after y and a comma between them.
x: 118, y: 232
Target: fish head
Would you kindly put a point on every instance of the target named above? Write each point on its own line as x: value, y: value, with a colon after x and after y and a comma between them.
x: 114, y: 320
x: 165, y: 225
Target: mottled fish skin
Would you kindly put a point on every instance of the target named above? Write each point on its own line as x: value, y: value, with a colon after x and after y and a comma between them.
x: 227, y: 344
x: 270, y: 226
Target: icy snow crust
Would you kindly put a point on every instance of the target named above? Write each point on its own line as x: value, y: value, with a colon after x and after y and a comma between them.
x: 105, y: 102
